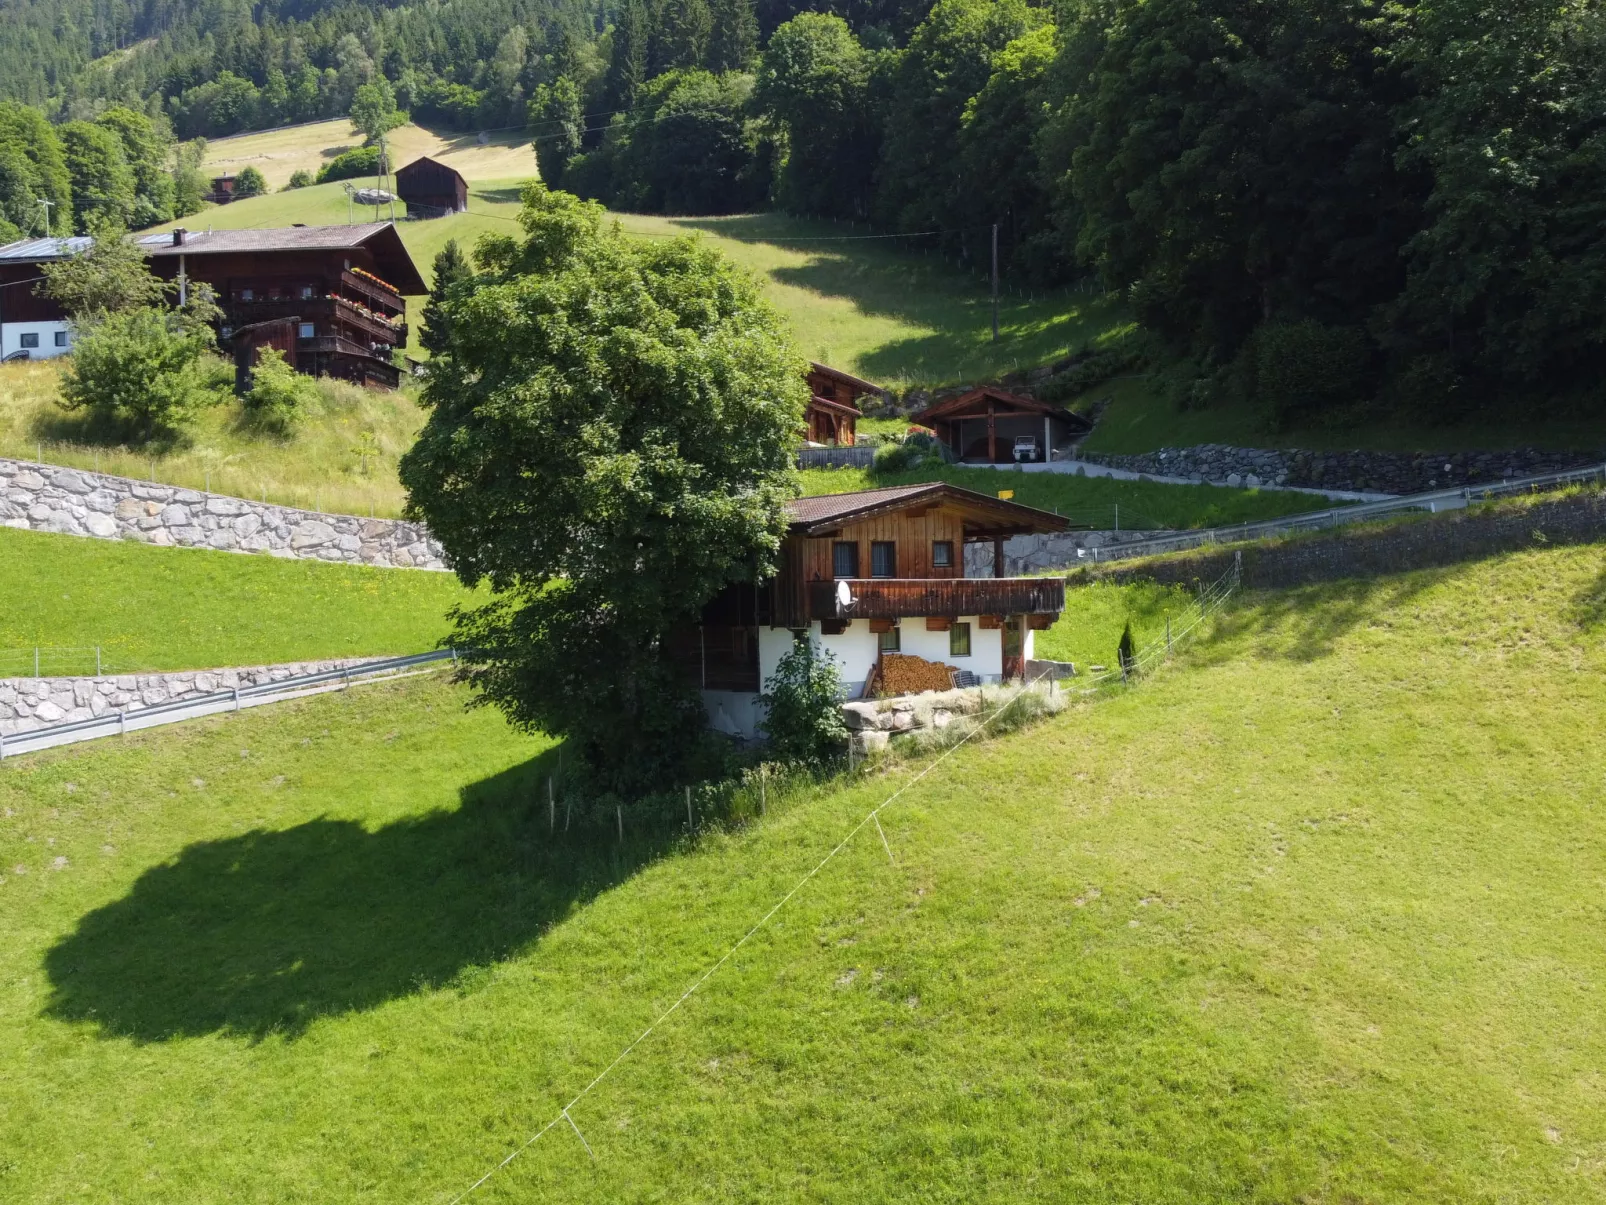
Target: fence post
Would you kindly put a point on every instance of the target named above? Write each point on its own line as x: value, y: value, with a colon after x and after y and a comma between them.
x: 551, y: 807
x: 2, y: 746
x: 763, y: 782
x: 36, y: 661
x: 688, y: 808
x: 1168, y: 635
x: 236, y: 698
x: 619, y: 815
x: 97, y: 661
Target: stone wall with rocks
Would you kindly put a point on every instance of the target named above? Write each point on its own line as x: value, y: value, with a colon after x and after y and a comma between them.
x: 41, y: 497
x: 1422, y: 542
x: 30, y: 703
x: 1376, y: 472
x: 1025, y: 556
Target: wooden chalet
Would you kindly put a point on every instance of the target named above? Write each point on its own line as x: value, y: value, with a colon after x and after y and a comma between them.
x: 876, y: 572
x: 430, y: 189
x: 32, y: 326
x: 833, y: 411
x: 992, y: 426
x: 222, y: 190
x: 333, y: 296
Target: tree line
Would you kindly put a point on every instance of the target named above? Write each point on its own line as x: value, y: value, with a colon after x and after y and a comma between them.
x: 1329, y: 211
x: 1305, y: 203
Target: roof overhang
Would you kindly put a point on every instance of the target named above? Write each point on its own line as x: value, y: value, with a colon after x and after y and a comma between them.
x: 984, y: 518
x: 847, y: 378
x: 979, y: 403
x: 825, y: 403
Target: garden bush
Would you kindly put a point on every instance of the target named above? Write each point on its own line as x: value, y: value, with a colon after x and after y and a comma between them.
x: 279, y: 395
x: 803, y: 699
x: 359, y: 161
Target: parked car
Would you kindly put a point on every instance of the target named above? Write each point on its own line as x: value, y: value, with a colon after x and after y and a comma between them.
x: 1026, y: 448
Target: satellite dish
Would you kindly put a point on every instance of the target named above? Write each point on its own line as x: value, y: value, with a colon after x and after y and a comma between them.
x: 844, y: 596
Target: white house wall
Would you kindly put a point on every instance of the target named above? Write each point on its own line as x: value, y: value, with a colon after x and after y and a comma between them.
x: 856, y: 650
x: 11, y: 334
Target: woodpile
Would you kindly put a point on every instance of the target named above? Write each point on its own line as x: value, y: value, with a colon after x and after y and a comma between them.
x: 902, y: 674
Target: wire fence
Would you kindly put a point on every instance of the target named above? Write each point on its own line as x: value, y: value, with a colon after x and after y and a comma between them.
x: 59, y: 661
x: 1432, y: 501
x: 1210, y: 599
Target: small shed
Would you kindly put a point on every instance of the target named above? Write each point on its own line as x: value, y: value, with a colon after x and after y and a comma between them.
x: 222, y: 191
x: 430, y: 189
x: 992, y: 426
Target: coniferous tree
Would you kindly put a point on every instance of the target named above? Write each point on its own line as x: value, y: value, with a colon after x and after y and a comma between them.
x: 628, y: 70
x: 733, y: 41
x: 451, y: 266
x: 681, y: 41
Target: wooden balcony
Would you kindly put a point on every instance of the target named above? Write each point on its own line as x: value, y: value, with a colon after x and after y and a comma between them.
x: 904, y: 597
x: 319, y: 310
x: 372, y: 292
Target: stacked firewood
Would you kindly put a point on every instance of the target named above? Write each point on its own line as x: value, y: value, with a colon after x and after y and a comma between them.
x: 902, y: 674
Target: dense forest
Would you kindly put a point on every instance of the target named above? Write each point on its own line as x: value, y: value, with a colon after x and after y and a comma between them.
x: 1307, y: 202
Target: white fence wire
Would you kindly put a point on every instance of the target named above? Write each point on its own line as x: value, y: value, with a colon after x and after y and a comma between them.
x: 55, y: 661
x: 1210, y: 600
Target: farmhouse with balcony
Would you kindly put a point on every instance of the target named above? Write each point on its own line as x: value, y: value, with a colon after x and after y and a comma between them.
x: 992, y: 426
x: 833, y: 411
x: 874, y: 573
x: 330, y: 297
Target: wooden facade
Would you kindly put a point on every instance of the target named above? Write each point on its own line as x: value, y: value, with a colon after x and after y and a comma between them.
x: 992, y: 426
x: 430, y: 189
x: 833, y: 411
x: 341, y: 287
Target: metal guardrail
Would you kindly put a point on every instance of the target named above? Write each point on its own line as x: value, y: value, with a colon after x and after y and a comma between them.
x: 234, y: 699
x: 1432, y: 501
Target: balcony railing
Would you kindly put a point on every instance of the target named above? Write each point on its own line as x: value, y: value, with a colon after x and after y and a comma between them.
x: 372, y: 291
x: 899, y: 598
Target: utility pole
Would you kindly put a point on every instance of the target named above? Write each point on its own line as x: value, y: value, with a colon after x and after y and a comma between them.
x: 995, y: 282
x: 45, y: 205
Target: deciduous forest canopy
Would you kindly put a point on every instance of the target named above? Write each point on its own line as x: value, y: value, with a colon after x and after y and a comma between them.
x: 1311, y: 204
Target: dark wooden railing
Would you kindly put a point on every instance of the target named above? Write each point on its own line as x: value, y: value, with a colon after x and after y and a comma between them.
x: 897, y: 598
x: 372, y: 291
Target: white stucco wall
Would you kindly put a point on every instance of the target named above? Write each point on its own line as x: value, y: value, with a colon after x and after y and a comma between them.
x: 11, y: 339
x: 856, y: 650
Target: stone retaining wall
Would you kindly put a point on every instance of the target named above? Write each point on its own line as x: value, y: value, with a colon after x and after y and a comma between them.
x: 1377, y: 472
x: 1416, y: 543
x: 30, y: 703
x: 40, y: 497
x: 1026, y: 556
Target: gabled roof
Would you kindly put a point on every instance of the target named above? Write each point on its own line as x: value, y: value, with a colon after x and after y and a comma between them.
x: 825, y: 403
x: 37, y: 250
x: 811, y: 516
x: 380, y: 238
x: 425, y: 160
x: 846, y: 378
x: 970, y: 404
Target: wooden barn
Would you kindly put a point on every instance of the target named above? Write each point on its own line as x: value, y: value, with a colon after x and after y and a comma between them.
x: 430, y: 189
x: 222, y: 191
x: 992, y: 426
x: 833, y: 411
x: 342, y: 288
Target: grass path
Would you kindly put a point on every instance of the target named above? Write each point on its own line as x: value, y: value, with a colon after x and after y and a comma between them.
x: 155, y: 609
x: 1310, y: 916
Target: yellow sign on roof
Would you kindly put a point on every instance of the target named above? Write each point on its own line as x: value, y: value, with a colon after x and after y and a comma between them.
x: 1006, y: 495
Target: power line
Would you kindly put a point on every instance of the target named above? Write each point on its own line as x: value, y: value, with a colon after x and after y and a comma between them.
x: 871, y: 817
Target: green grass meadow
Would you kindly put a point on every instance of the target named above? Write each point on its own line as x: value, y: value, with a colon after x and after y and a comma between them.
x: 152, y: 609
x: 1310, y: 915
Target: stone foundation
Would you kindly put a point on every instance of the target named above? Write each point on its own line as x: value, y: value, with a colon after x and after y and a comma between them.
x: 37, y: 497
x: 30, y: 703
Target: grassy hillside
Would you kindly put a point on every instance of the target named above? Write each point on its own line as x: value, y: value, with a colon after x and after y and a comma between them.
x: 1310, y: 916
x: 277, y: 154
x: 340, y: 459
x: 179, y: 608
x: 883, y: 308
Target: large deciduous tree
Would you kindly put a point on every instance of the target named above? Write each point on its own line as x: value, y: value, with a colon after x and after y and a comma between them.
x: 814, y: 88
x: 609, y: 445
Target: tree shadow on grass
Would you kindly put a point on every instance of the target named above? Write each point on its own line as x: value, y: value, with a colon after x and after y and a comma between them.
x: 1589, y: 605
x: 266, y: 932
x: 903, y: 283
x: 498, y: 196
x: 1305, y: 623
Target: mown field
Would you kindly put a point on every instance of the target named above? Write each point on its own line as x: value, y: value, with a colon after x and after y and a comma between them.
x: 154, y: 609
x: 1312, y: 915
